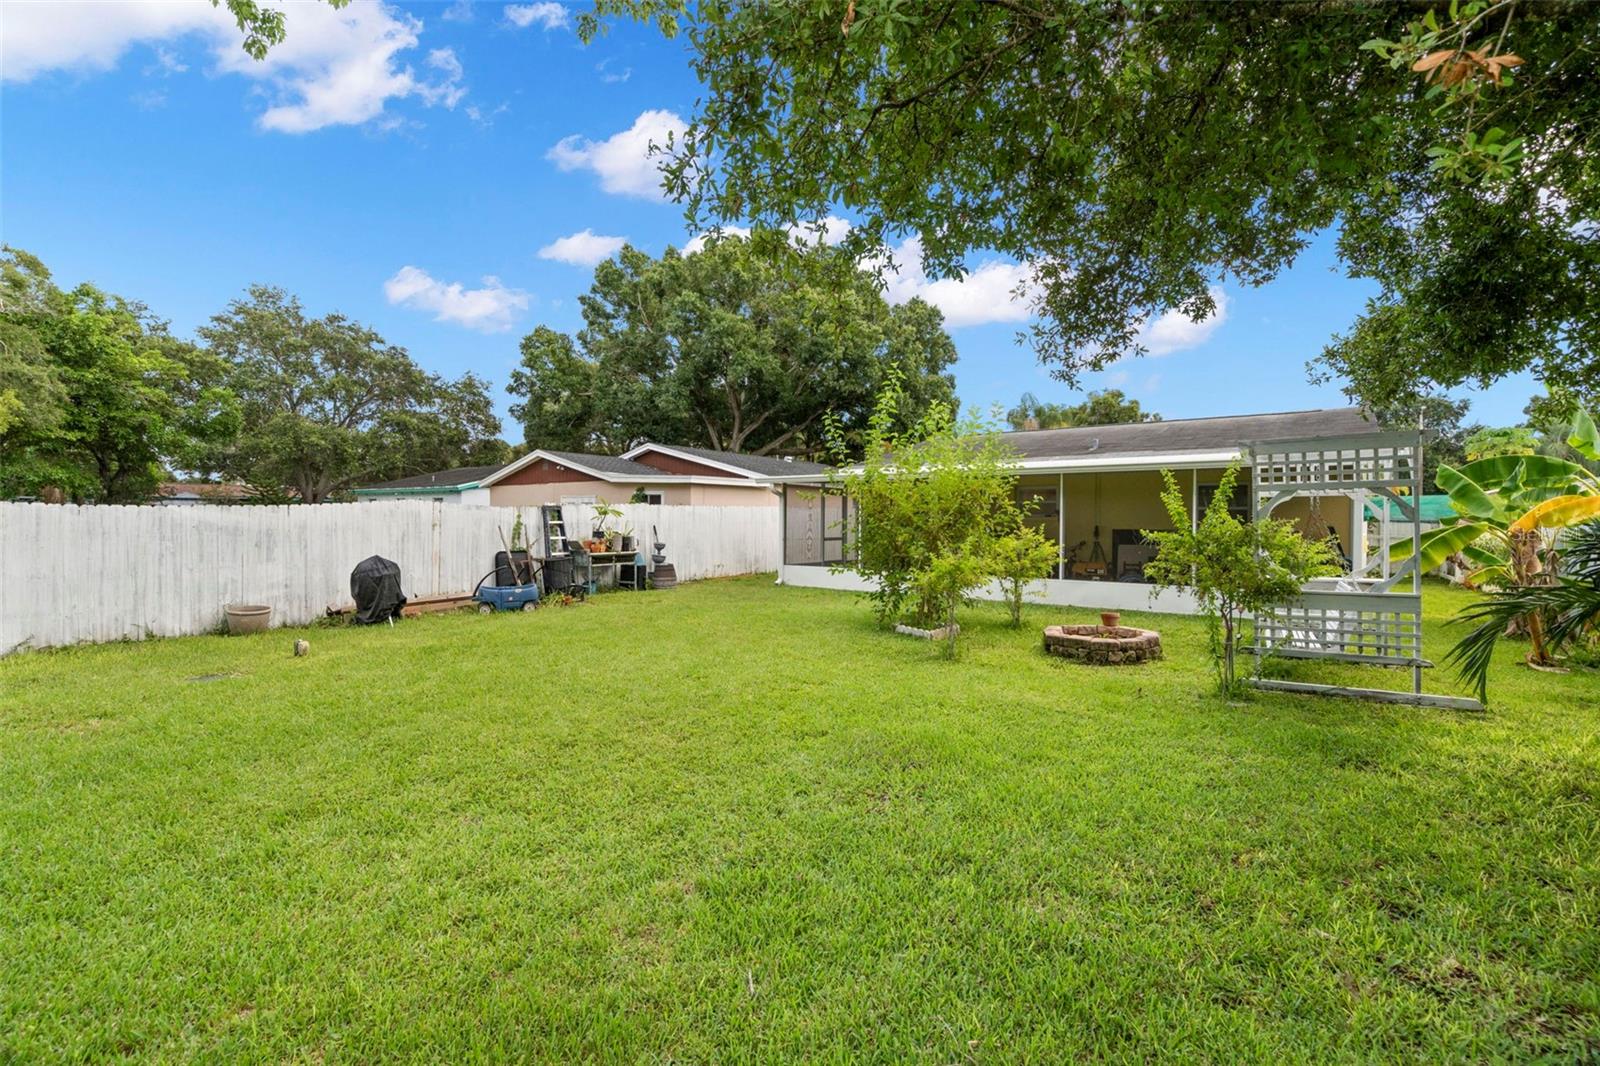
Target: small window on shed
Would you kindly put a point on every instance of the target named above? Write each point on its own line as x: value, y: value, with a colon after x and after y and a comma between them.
x: 652, y: 497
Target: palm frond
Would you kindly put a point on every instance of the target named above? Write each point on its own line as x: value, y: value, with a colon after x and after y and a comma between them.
x: 1569, y: 608
x: 1580, y: 552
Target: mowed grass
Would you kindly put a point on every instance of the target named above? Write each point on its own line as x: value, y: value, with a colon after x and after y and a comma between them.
x: 736, y: 822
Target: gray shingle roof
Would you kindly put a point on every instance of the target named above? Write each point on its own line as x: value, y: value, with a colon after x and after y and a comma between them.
x: 760, y: 465
x: 1189, y: 434
x: 608, y: 464
x: 443, y: 479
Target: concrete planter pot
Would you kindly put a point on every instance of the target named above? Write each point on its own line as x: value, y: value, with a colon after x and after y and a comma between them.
x: 247, y: 618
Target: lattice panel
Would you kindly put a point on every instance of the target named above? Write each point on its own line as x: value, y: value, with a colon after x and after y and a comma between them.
x: 1354, y: 626
x: 1385, y: 460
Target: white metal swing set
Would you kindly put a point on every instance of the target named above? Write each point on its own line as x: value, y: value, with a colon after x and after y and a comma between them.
x: 1363, y: 618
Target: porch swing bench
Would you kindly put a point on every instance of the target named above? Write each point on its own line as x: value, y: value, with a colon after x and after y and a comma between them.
x: 1364, y: 618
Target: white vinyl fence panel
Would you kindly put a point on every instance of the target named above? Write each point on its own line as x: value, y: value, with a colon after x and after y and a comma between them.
x: 71, y: 574
x: 700, y: 542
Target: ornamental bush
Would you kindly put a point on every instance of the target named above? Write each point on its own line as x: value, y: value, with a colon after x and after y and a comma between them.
x: 1017, y: 559
x: 929, y: 502
x: 1232, y: 567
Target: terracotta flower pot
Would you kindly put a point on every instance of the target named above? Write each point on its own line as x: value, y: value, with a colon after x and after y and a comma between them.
x: 1110, y: 619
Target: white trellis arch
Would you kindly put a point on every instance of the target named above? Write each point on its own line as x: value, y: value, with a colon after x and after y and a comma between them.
x: 1368, y: 618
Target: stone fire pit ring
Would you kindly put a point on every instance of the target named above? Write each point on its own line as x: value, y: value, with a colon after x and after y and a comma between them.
x: 1103, y: 645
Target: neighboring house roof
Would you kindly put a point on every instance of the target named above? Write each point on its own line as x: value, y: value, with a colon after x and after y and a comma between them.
x: 758, y: 466
x: 605, y: 464
x: 214, y: 492
x: 1435, y: 508
x: 613, y: 468
x: 462, y: 477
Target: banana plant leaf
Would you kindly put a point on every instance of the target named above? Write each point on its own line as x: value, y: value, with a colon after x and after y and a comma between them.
x: 1559, y: 512
x: 1481, y: 557
x: 1585, y: 440
x: 1466, y: 494
x: 1439, y: 544
x: 1537, y: 470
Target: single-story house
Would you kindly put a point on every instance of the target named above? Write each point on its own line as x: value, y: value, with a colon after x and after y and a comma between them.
x: 664, y: 474
x: 1096, y: 487
x: 188, y: 493
x: 460, y: 485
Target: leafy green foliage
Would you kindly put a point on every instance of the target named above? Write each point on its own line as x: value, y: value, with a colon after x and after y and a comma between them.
x: 262, y: 26
x: 946, y: 580
x: 1568, y: 609
x: 326, y: 403
x: 1492, y: 443
x: 1103, y: 408
x: 1017, y: 559
x: 1233, y: 568
x: 1135, y: 153
x: 742, y: 346
x: 1439, y: 418
x: 96, y: 397
x: 1459, y: 75
x: 928, y: 502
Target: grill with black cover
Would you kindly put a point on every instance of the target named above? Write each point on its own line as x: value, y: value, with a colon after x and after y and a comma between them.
x: 375, y: 586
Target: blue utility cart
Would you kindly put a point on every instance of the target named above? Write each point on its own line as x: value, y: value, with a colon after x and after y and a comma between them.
x: 492, y: 598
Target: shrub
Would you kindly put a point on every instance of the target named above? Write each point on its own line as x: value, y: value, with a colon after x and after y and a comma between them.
x: 946, y: 581
x: 1232, y: 567
x: 935, y: 493
x: 1017, y: 559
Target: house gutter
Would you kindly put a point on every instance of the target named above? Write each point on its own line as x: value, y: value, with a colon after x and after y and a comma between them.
x: 415, y: 491
x: 1170, y: 461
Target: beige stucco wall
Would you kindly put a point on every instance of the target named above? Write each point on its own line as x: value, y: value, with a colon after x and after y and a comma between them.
x: 621, y: 492
x: 732, y: 496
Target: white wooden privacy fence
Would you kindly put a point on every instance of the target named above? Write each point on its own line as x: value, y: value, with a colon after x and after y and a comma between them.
x: 73, y: 574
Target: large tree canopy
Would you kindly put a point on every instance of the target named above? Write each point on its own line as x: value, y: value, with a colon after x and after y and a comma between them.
x: 96, y: 397
x: 745, y: 345
x: 1107, y: 407
x: 326, y: 403
x: 1137, y: 152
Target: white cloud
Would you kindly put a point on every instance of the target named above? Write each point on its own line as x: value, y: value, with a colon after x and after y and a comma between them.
x: 988, y: 293
x: 700, y: 240
x: 489, y: 309
x: 609, y: 74
x: 167, y: 63
x: 624, y: 160
x: 830, y: 230
x: 90, y: 37
x: 547, y: 14
x: 1173, y: 331
x: 460, y: 11
x: 334, y: 67
x: 584, y: 248
x: 339, y: 67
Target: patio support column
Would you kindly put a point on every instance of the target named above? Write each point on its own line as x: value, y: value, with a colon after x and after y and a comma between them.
x: 1194, y: 500
x: 783, y: 530
x: 1358, y: 532
x: 1061, y: 526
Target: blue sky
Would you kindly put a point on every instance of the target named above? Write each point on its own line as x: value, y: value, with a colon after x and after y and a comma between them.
x: 408, y: 164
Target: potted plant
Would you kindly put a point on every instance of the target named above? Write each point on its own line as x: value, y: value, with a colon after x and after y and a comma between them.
x: 604, y: 513
x: 1110, y: 619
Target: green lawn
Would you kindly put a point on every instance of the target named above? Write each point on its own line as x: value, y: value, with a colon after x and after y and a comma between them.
x: 733, y: 821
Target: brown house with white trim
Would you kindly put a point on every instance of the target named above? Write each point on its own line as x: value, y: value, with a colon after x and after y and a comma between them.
x: 666, y: 474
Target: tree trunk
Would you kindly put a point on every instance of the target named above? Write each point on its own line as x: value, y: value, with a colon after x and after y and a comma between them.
x: 1227, y: 654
